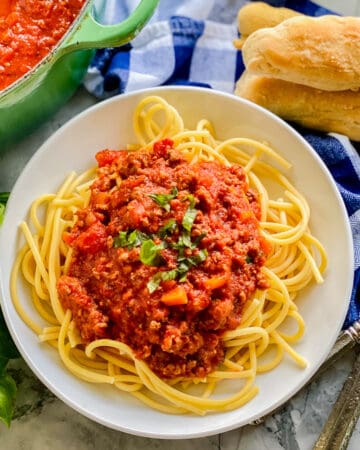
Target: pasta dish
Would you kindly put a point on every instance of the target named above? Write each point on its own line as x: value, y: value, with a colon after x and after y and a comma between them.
x: 172, y: 267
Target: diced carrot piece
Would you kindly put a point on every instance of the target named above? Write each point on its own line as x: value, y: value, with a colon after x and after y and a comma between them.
x: 176, y: 296
x: 5, y: 7
x: 266, y: 245
x: 216, y: 282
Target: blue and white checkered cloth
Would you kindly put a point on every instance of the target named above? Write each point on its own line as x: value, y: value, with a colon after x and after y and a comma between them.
x: 190, y: 42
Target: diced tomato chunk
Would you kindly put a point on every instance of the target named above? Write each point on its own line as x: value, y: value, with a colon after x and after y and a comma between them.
x: 91, y: 240
x: 162, y: 147
x: 106, y: 157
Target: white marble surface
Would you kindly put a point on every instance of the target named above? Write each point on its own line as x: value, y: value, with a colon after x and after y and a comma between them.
x: 43, y: 422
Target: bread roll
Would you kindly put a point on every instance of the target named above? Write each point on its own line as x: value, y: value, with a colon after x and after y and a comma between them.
x: 256, y: 15
x: 321, y: 52
x: 338, y: 111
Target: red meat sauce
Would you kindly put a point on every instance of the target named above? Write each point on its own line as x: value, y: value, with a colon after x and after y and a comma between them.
x: 29, y: 29
x: 107, y: 285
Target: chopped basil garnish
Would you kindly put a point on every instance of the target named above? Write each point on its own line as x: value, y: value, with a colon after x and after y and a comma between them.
x: 150, y: 253
x: 7, y: 397
x: 198, y: 239
x: 186, y: 263
x: 163, y: 200
x: 153, y: 284
x: 3, y: 199
x: 191, y: 199
x: 180, y: 273
x: 189, y: 216
x: 130, y: 239
x: 8, y: 351
x: 168, y: 228
x: 184, y: 241
x: 2, y: 212
x: 249, y: 259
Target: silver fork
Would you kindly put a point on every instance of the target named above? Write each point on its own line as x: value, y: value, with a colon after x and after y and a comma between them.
x: 345, y: 413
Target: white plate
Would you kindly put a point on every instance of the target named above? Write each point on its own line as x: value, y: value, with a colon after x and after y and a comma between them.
x: 109, y: 124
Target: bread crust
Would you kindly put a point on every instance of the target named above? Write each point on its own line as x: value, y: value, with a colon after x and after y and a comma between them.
x: 256, y: 15
x: 320, y: 52
x: 337, y: 111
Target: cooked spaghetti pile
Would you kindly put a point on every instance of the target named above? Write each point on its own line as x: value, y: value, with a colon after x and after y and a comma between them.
x: 170, y: 267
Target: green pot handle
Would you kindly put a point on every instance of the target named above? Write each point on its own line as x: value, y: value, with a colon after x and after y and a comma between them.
x: 91, y: 34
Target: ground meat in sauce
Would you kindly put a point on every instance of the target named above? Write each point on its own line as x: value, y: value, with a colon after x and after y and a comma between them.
x: 106, y: 287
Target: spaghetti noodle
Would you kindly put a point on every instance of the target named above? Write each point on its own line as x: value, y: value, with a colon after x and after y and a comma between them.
x: 255, y: 346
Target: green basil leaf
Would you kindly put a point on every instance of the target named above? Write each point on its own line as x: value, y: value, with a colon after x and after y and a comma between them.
x: 120, y: 240
x: 163, y: 200
x: 182, y: 276
x: 3, y: 364
x: 180, y: 273
x: 249, y: 259
x: 7, y: 351
x: 200, y: 256
x: 153, y: 284
x: 129, y: 239
x: 198, y: 239
x: 183, y: 242
x: 3, y: 200
x: 193, y: 260
x: 4, y: 197
x: 150, y: 253
x: 7, y: 398
x: 7, y: 347
x: 136, y: 238
x: 2, y: 213
x: 168, y: 228
x: 189, y: 218
x: 191, y: 199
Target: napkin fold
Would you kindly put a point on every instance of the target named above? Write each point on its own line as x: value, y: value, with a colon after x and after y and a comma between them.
x: 188, y: 42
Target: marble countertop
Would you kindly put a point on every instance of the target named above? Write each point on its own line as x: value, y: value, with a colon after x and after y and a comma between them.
x: 41, y: 421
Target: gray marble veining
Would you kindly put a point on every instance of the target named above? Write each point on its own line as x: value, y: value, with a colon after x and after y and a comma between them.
x: 44, y: 422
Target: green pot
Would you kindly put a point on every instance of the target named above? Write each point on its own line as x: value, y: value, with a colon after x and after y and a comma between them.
x: 32, y: 99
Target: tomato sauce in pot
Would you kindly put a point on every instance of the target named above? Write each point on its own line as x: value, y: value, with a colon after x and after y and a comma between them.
x: 29, y: 29
x: 165, y: 257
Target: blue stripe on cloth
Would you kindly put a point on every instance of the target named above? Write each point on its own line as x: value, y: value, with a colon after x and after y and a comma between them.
x: 340, y: 165
x: 185, y: 34
x: 303, y: 6
x: 354, y: 307
x: 240, y: 67
x: 116, y: 78
x: 190, y: 42
x: 344, y: 165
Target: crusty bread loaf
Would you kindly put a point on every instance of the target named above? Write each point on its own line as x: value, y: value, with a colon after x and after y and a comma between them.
x: 256, y: 15
x: 321, y: 52
x: 313, y: 108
